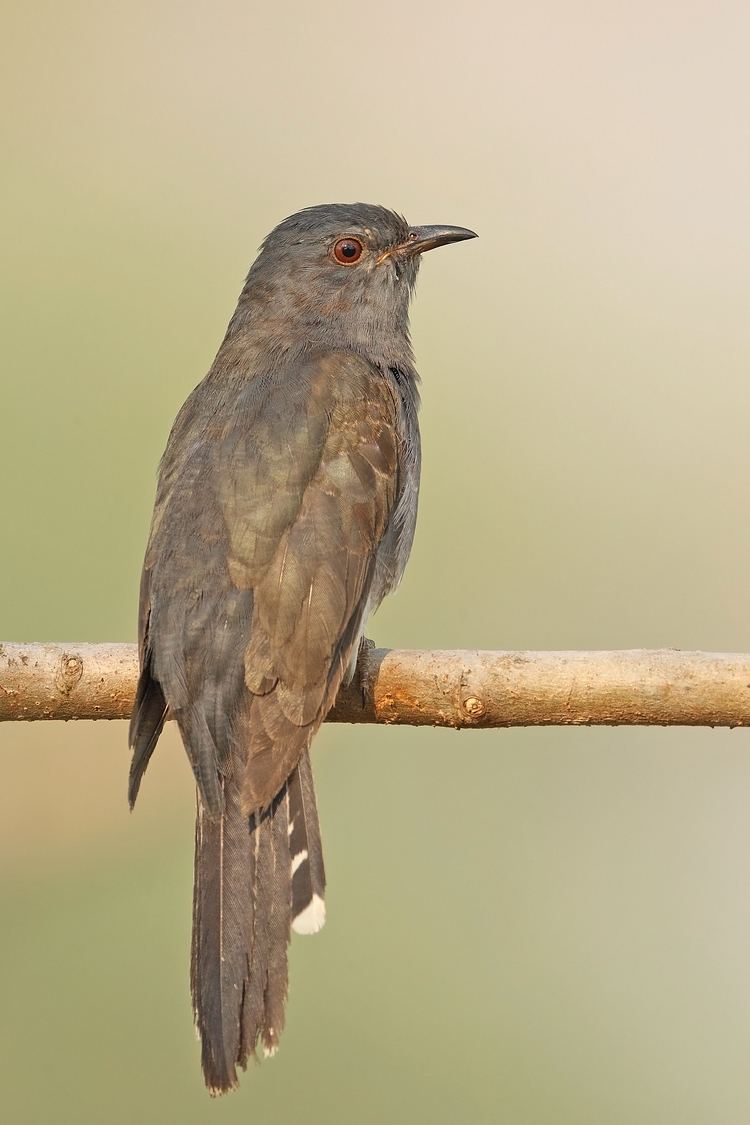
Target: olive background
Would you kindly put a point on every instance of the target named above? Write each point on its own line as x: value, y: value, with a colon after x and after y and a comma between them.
x: 544, y: 927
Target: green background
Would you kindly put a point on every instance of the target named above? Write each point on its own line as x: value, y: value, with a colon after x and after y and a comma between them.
x: 524, y: 926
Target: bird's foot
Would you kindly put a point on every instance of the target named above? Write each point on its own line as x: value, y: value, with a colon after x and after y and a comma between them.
x: 363, y: 678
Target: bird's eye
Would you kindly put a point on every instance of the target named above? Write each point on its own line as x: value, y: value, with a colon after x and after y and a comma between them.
x: 347, y: 251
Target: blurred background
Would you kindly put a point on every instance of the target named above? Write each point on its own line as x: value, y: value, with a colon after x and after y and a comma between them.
x: 526, y: 926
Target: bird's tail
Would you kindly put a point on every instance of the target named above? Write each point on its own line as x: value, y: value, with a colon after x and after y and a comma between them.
x: 256, y: 878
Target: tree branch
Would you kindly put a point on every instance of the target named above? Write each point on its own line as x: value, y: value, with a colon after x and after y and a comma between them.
x: 662, y: 687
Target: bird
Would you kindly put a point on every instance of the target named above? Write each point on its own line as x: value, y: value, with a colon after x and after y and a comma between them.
x: 285, y: 511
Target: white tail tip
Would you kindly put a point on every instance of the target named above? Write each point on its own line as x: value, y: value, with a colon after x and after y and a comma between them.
x: 311, y: 919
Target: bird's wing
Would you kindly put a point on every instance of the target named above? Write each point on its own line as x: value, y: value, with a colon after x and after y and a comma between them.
x: 259, y: 566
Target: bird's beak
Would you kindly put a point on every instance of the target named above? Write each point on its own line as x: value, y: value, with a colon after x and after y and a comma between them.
x: 427, y: 238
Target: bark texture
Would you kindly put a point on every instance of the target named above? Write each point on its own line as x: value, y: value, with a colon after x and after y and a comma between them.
x: 462, y: 688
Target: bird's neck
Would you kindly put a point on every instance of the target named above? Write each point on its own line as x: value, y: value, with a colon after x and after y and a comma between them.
x: 270, y: 326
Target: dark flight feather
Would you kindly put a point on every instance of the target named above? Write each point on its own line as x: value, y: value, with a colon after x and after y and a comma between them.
x: 149, y: 711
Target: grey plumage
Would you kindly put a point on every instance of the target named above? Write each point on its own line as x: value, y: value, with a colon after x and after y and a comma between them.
x: 284, y: 513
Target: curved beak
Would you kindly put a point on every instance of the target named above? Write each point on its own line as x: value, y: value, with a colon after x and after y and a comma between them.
x: 427, y: 238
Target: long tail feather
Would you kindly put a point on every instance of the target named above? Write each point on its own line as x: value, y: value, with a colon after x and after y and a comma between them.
x: 308, y: 873
x: 242, y: 917
x: 222, y: 932
x: 279, y: 927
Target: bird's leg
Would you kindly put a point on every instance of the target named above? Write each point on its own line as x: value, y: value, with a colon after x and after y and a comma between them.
x: 363, y: 678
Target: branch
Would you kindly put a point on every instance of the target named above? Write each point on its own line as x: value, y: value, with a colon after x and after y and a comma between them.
x: 663, y: 687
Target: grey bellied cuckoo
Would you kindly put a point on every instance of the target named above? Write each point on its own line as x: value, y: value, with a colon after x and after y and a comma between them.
x: 285, y: 512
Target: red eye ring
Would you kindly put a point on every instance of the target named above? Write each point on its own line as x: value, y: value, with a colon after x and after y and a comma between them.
x: 347, y: 251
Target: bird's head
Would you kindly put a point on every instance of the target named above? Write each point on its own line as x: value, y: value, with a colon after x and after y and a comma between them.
x: 341, y: 273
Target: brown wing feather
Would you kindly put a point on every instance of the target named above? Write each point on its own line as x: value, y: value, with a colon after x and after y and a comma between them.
x: 311, y: 599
